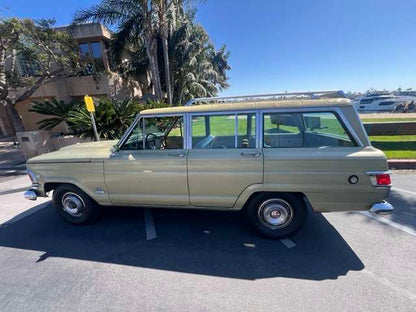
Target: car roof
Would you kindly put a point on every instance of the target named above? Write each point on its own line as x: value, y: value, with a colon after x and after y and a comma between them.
x: 249, y: 105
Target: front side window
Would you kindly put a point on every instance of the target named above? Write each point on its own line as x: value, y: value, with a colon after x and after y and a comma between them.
x: 163, y: 132
x: 317, y: 129
x: 156, y: 133
x: 219, y: 131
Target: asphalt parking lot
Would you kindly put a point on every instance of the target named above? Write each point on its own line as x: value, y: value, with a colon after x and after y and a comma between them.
x: 150, y: 260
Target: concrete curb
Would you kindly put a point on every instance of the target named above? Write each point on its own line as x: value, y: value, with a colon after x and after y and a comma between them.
x: 402, y: 163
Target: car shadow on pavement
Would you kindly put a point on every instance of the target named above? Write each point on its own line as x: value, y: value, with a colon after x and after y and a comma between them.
x: 404, y: 209
x: 196, y: 242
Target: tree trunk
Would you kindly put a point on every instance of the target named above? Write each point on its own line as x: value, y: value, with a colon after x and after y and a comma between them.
x: 167, y: 68
x: 151, y: 50
x: 14, y: 116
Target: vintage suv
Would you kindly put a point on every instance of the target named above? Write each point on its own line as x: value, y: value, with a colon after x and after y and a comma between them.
x: 271, y: 156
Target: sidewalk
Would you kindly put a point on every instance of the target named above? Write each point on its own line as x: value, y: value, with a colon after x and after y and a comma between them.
x: 14, y: 185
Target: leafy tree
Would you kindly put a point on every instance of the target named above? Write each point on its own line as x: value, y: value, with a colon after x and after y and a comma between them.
x: 47, y: 55
x: 58, y: 109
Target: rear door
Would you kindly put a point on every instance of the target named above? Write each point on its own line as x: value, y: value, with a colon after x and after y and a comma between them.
x: 224, y: 159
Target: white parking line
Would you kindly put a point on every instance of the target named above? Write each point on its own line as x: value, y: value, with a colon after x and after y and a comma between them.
x: 398, y: 226
x: 150, y: 226
x: 402, y: 190
x: 288, y: 242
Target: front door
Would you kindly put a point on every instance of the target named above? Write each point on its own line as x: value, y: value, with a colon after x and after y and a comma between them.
x: 150, y: 167
x: 224, y: 159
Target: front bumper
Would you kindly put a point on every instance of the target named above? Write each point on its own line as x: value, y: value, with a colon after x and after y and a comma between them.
x: 382, y: 208
x: 31, y: 195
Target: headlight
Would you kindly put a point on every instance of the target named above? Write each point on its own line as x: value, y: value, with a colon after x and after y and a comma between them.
x: 32, y: 176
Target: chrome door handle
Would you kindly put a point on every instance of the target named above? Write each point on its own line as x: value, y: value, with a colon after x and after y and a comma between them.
x: 254, y: 154
x: 177, y: 154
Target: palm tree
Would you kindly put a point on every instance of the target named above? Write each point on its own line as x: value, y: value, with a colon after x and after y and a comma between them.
x: 58, y: 109
x: 112, y: 118
x: 134, y: 19
x: 198, y: 69
x: 132, y: 63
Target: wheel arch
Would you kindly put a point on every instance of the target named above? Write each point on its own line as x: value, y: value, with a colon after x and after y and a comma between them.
x: 53, y: 184
x: 250, y: 193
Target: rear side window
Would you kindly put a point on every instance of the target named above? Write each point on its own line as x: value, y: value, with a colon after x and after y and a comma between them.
x: 224, y: 131
x: 317, y: 129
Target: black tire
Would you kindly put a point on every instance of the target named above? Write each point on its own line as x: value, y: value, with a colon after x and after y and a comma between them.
x: 286, y: 211
x: 74, y: 206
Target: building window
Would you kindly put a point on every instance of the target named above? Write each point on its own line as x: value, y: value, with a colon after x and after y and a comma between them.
x: 93, y: 51
x: 27, y: 68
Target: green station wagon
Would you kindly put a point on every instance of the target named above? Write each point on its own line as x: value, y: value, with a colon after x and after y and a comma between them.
x: 272, y: 156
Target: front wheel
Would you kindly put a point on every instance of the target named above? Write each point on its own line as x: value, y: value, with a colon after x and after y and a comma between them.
x: 74, y: 206
x: 277, y: 215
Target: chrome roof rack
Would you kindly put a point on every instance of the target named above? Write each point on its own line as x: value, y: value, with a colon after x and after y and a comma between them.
x: 269, y: 97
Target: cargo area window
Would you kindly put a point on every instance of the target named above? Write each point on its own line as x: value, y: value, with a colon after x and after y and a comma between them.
x: 317, y: 129
x: 224, y: 131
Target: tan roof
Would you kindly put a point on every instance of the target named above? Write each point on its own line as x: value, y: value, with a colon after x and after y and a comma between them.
x: 250, y: 105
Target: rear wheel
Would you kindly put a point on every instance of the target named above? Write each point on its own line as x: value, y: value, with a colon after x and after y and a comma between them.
x: 277, y: 215
x: 74, y: 206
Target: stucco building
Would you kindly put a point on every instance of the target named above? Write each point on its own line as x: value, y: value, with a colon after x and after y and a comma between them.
x: 93, y: 41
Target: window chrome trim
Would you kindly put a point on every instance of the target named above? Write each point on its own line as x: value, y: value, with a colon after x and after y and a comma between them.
x: 259, y: 115
x: 144, y: 139
x: 350, y: 129
x: 139, y: 117
x: 368, y: 142
x: 188, y: 136
x: 128, y: 131
x: 235, y: 130
x: 318, y: 109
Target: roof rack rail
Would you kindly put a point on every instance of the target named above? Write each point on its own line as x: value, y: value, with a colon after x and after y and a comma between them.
x: 269, y: 97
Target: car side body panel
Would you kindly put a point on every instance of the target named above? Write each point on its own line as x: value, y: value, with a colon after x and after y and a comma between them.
x: 322, y: 174
x: 88, y: 176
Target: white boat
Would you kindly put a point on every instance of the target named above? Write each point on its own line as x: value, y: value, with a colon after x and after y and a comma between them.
x: 380, y: 102
x: 406, y: 96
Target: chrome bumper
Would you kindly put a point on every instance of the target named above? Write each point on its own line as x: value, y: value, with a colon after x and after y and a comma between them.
x: 382, y: 208
x: 31, y: 195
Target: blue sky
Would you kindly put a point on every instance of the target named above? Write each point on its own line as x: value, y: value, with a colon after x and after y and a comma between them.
x: 291, y: 45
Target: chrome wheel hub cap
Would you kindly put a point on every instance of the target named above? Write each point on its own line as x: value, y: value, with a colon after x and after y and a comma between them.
x: 73, y: 204
x: 275, y: 213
